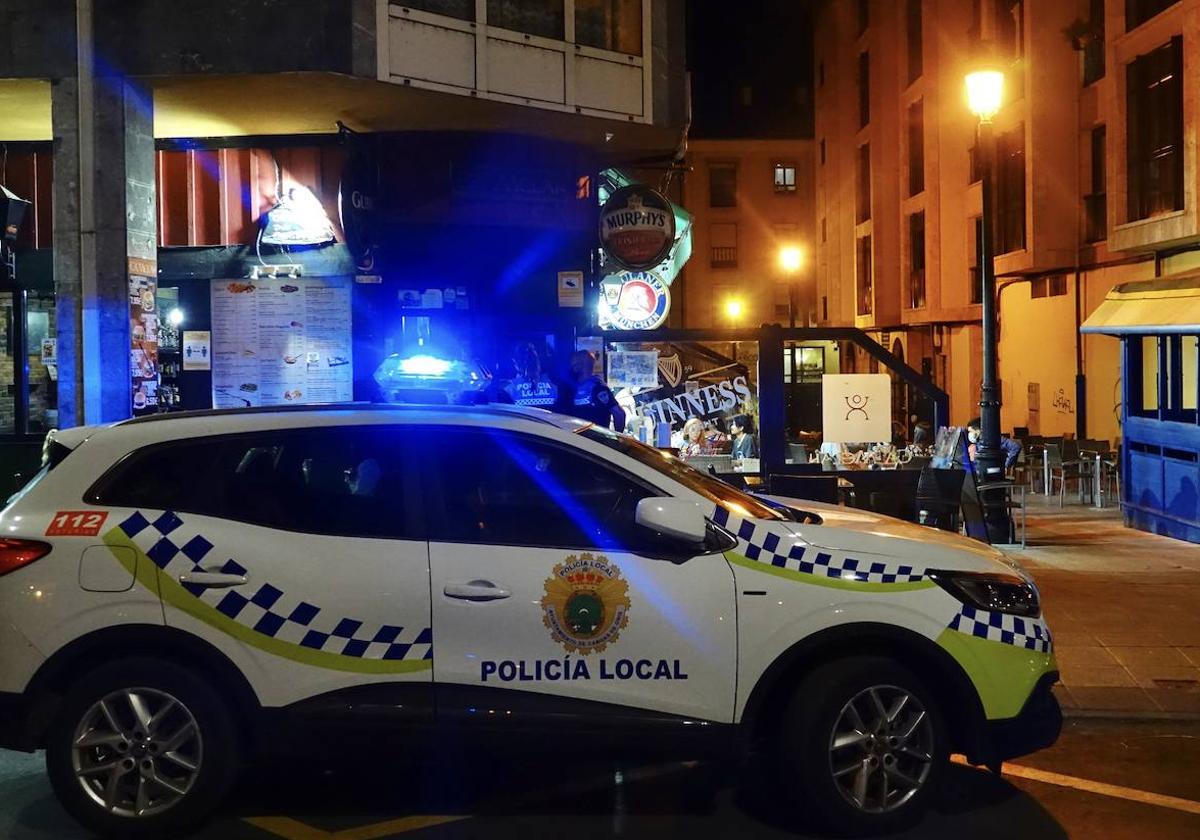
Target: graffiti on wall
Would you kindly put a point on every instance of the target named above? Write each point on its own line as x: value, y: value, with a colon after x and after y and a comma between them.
x: 1062, y: 403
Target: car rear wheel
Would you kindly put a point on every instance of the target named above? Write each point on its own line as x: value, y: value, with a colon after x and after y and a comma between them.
x: 141, y: 748
x: 866, y: 741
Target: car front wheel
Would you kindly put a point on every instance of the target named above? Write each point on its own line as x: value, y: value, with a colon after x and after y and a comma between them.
x: 867, y: 743
x: 141, y: 748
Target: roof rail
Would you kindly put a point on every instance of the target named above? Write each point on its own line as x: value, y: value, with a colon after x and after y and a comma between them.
x: 486, y: 408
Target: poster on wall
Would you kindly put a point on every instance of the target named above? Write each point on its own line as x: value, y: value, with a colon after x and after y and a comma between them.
x: 280, y: 341
x: 570, y: 288
x: 633, y: 369
x: 856, y: 407
x: 197, y: 350
x: 143, y: 352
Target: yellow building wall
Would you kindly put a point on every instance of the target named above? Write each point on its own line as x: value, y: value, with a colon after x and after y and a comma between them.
x: 765, y: 221
x: 1037, y: 346
x: 1102, y: 353
x: 963, y: 384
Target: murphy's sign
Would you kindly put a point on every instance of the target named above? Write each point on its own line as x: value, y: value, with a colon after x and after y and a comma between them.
x: 637, y: 227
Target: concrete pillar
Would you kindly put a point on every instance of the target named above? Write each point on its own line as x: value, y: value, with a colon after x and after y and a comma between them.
x: 104, y: 228
x: 64, y: 116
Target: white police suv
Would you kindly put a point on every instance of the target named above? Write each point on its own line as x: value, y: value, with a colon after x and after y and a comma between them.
x: 177, y: 593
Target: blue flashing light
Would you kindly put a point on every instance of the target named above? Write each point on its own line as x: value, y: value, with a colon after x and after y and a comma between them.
x: 425, y: 366
x: 429, y: 379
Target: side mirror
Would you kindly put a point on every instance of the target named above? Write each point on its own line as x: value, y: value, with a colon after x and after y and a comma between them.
x: 676, y: 518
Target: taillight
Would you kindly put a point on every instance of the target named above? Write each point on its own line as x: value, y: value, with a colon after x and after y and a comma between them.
x: 17, y: 553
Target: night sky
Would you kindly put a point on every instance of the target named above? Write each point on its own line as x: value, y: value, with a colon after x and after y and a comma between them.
x: 765, y: 45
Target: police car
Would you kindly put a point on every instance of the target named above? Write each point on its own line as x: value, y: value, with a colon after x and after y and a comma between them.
x: 176, y: 594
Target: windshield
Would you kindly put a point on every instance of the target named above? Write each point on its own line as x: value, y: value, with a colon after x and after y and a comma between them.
x: 718, y: 492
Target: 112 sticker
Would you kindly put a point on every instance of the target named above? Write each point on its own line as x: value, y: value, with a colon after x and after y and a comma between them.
x: 76, y: 523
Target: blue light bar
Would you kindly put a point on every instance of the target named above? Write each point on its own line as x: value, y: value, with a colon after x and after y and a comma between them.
x: 427, y: 379
x: 425, y: 366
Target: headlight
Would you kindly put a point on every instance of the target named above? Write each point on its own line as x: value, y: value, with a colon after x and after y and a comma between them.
x: 995, y: 593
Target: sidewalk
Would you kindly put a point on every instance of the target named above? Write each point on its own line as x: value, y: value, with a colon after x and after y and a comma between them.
x: 1124, y: 608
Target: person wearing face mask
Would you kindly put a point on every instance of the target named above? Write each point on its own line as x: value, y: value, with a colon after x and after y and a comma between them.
x: 1010, y: 447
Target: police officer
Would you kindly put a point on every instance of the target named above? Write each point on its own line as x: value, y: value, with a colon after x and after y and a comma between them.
x: 529, y: 387
x: 587, y: 397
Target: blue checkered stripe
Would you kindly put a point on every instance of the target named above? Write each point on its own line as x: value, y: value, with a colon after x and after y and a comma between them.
x: 765, y: 546
x: 176, y: 548
x: 1013, y: 630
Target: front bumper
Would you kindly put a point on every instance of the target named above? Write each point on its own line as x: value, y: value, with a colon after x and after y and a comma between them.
x: 16, y: 729
x: 1036, y: 727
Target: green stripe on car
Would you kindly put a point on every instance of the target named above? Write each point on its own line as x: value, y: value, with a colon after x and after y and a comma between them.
x: 171, y: 592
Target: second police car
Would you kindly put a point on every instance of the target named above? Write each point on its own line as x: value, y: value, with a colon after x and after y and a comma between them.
x: 175, y: 594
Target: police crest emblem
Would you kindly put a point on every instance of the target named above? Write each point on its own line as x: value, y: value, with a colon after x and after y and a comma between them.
x: 586, y: 603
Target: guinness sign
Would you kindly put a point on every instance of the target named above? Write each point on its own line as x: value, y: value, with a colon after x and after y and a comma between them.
x: 637, y: 227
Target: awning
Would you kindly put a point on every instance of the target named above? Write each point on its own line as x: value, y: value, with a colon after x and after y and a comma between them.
x: 1159, y: 306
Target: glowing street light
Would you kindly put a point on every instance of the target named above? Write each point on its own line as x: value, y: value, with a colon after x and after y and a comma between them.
x: 790, y: 258
x: 985, y: 92
x: 733, y: 308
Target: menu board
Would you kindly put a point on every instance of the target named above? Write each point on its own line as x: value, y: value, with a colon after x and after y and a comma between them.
x: 283, y: 341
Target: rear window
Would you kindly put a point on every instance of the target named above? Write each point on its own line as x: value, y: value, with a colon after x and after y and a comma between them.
x: 343, y: 481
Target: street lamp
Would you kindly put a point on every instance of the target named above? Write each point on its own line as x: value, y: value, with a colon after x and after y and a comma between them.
x: 733, y: 308
x: 985, y: 94
x: 790, y: 259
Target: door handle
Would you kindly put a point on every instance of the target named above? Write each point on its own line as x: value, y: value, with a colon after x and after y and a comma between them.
x: 476, y: 590
x: 213, y: 580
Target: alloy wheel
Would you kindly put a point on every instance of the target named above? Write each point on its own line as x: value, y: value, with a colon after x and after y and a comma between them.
x: 137, y: 752
x: 881, y: 750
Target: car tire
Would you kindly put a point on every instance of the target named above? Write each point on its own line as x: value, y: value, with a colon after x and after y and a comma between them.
x: 141, y: 748
x: 855, y: 766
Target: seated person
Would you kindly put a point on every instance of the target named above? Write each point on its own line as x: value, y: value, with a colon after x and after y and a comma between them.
x: 698, y: 440
x: 1010, y: 447
x: 743, y: 437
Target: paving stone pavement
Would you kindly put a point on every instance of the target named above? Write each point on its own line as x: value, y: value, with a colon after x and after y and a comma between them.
x: 1124, y: 608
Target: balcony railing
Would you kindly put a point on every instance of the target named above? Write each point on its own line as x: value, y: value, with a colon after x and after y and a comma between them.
x: 1096, y: 213
x: 723, y: 257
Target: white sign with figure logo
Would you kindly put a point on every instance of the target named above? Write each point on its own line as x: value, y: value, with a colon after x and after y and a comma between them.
x: 197, y: 350
x: 857, y: 407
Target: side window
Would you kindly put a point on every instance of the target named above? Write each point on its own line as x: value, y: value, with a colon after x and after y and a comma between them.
x: 171, y: 476
x: 509, y: 489
x: 343, y: 481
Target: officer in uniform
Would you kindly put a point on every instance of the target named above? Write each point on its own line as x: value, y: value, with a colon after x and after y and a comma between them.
x: 587, y: 397
x: 529, y: 387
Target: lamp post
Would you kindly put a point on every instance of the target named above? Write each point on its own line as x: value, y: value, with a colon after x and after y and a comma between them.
x: 790, y: 259
x: 985, y: 89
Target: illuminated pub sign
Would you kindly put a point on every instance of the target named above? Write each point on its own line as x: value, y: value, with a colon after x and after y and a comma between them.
x: 637, y: 227
x: 634, y: 300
